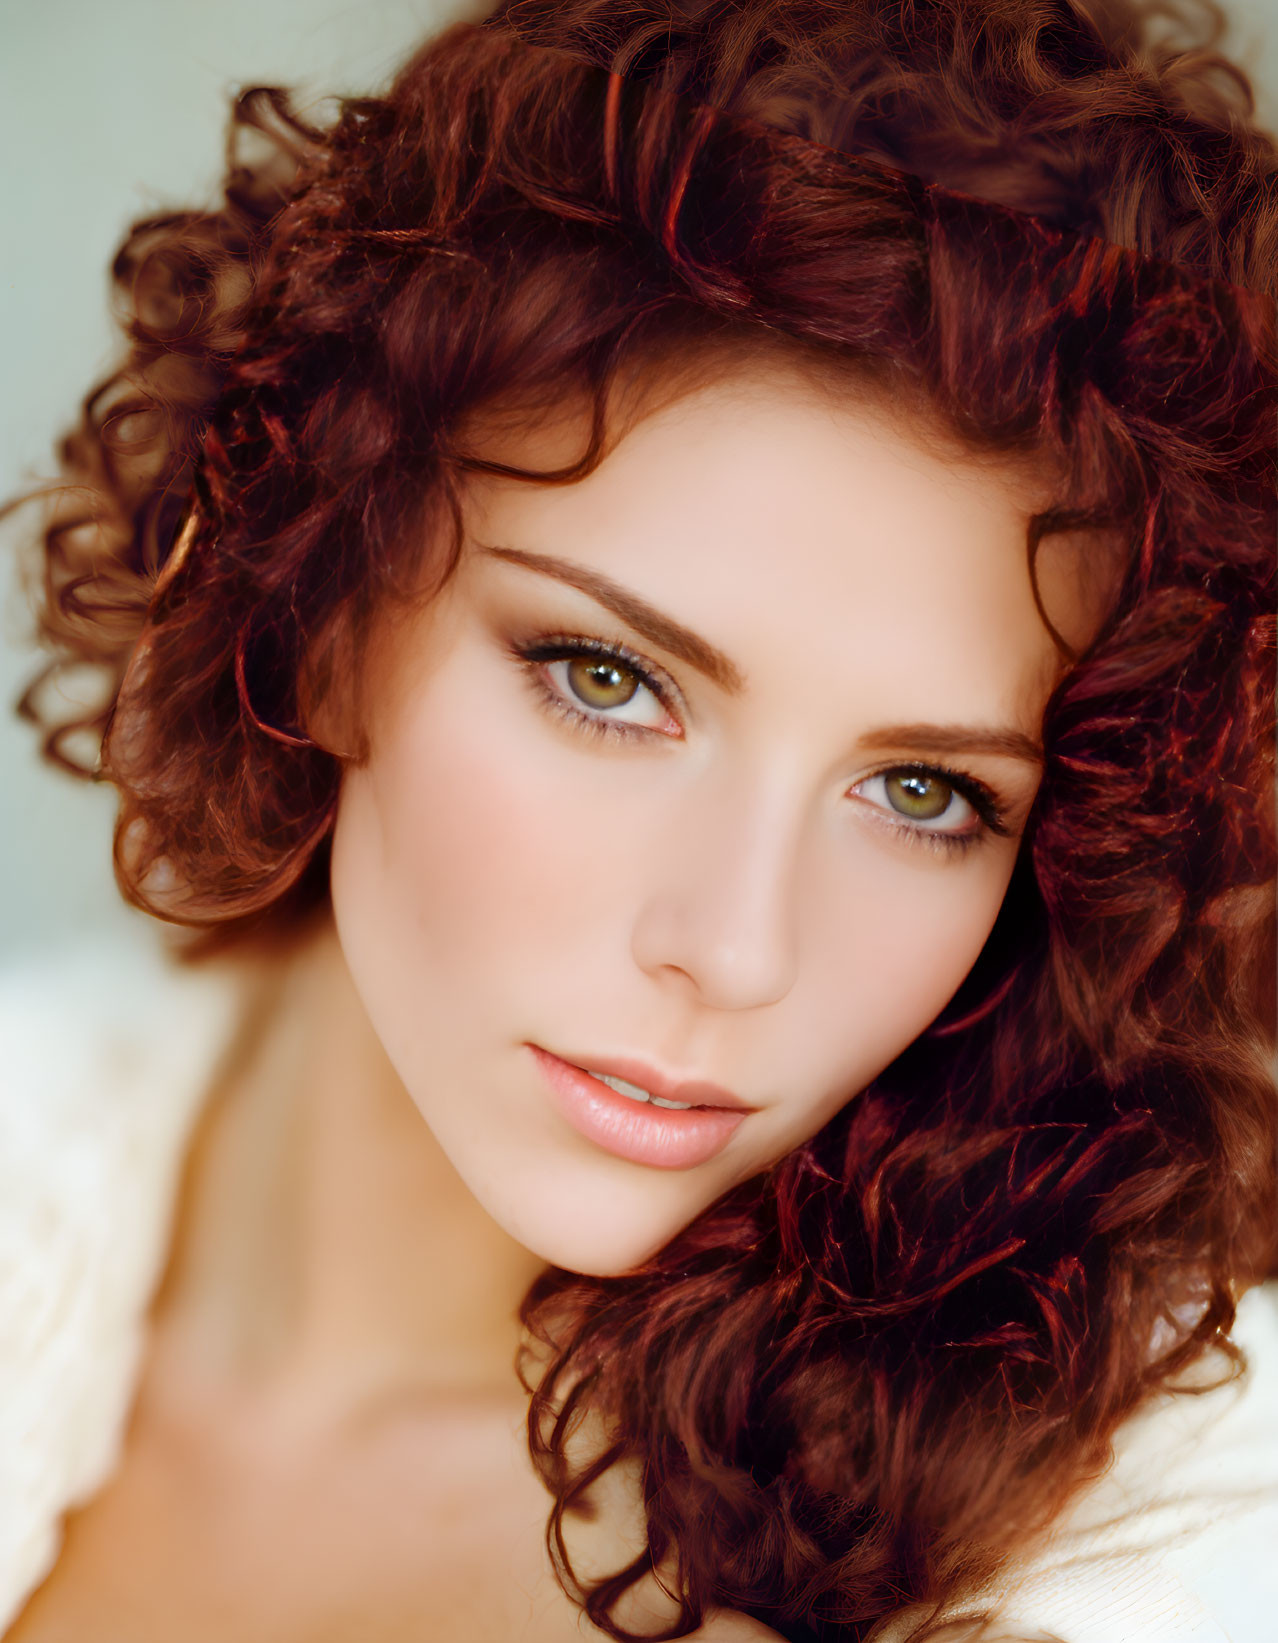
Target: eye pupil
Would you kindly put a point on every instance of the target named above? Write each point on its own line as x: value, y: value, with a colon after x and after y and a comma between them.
x: 915, y: 794
x: 601, y: 684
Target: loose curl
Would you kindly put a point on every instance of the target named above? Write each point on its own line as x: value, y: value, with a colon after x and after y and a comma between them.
x: 868, y: 1376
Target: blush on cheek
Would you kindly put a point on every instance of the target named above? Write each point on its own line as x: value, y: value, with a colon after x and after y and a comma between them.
x: 476, y: 842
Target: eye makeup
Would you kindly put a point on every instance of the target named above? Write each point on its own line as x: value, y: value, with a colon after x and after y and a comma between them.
x: 536, y: 656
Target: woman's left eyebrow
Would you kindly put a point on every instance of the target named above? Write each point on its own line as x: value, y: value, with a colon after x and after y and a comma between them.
x: 644, y: 618
x: 1008, y: 744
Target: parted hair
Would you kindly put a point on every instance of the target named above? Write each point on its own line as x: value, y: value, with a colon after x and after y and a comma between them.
x: 866, y: 1377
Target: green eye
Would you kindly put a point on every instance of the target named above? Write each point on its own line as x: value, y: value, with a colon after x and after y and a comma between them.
x: 918, y: 795
x: 600, y: 684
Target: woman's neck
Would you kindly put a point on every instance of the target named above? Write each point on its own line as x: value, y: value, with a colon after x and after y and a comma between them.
x: 325, y: 1246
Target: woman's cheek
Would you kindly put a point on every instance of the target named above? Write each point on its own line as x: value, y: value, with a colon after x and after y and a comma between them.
x: 927, y: 936
x: 489, y: 823
x: 886, y: 957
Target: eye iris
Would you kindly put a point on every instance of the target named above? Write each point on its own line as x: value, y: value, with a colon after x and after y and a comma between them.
x: 919, y: 796
x: 601, y: 684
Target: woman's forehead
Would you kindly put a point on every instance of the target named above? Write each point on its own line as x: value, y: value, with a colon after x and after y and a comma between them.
x: 794, y: 443
x: 769, y: 516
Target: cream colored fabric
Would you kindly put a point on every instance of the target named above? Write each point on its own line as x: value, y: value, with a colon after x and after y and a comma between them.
x: 105, y: 1058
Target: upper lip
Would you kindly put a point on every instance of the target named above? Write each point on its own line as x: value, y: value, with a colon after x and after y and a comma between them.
x: 694, y: 1092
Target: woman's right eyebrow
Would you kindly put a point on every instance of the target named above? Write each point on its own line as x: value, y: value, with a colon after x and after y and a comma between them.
x: 644, y: 618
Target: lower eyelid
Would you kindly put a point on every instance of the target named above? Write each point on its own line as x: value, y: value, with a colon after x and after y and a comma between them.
x: 942, y: 839
x: 949, y: 843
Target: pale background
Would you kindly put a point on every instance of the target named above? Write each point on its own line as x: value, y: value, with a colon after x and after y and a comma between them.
x: 109, y: 111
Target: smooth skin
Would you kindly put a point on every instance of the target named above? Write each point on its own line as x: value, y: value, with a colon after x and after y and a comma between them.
x: 717, y: 884
x: 774, y: 878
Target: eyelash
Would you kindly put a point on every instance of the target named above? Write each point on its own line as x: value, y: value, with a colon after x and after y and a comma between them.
x: 535, y: 655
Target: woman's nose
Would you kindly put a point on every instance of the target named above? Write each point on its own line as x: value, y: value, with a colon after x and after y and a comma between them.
x: 721, y: 909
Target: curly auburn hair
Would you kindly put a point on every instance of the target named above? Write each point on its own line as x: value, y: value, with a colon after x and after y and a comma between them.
x: 866, y: 1377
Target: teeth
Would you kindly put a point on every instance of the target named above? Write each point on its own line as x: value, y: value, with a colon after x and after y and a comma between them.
x: 634, y: 1093
x: 622, y: 1087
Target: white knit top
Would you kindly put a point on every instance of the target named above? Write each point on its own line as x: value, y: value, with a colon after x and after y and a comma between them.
x: 105, y: 1058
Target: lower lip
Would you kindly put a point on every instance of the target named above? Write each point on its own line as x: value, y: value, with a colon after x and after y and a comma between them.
x: 662, y: 1137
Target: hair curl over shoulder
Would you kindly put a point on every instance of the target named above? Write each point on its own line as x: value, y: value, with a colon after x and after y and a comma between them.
x: 865, y: 1377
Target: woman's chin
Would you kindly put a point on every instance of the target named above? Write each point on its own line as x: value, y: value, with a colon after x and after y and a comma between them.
x: 610, y: 1249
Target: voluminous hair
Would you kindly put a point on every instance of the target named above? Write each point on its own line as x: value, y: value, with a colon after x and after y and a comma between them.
x: 869, y: 1375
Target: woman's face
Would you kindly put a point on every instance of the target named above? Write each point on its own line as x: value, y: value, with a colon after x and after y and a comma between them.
x: 707, y: 773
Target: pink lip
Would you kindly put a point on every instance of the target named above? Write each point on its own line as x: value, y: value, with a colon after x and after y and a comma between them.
x: 658, y: 1136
